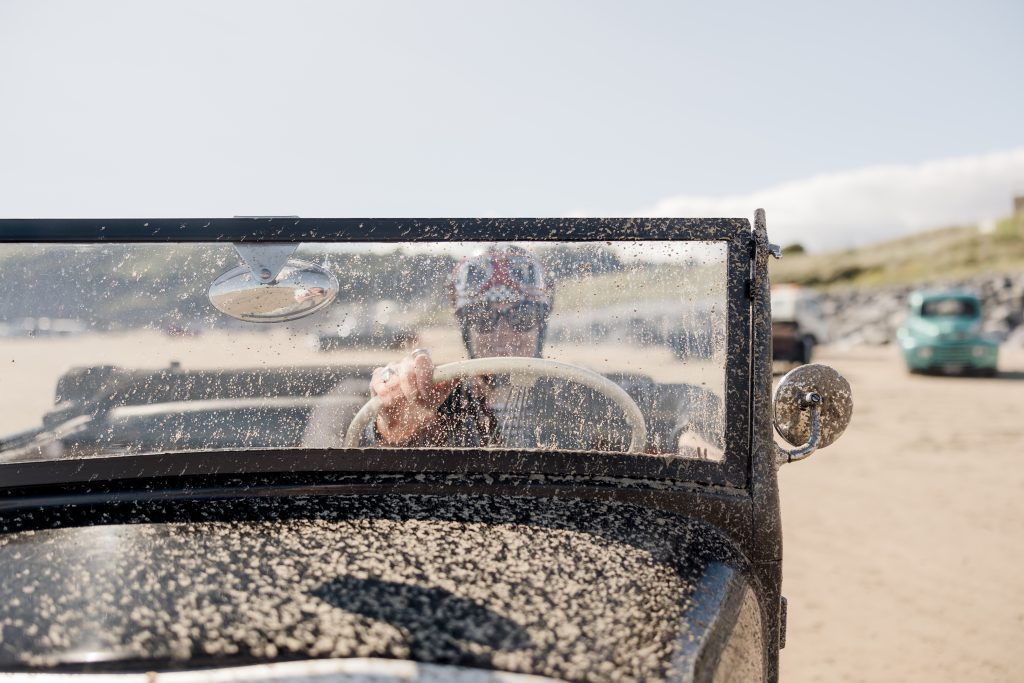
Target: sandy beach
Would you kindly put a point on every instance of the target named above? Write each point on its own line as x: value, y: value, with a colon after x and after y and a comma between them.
x: 903, y: 543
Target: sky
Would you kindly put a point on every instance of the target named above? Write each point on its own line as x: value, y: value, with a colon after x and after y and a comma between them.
x: 846, y: 122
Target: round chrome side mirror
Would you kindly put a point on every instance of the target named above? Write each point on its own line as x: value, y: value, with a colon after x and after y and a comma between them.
x: 813, y: 407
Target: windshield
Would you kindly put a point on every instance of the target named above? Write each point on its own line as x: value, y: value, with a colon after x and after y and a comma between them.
x: 599, y: 346
x: 951, y: 307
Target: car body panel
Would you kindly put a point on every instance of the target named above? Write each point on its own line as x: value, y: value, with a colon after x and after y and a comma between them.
x: 348, y: 670
x: 552, y: 587
x: 105, y: 409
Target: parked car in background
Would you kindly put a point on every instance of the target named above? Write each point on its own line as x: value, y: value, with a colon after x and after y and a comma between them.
x: 362, y: 326
x: 370, y: 335
x: 798, y: 324
x: 943, y: 333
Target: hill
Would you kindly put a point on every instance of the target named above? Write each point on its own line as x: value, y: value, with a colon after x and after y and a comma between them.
x: 955, y: 252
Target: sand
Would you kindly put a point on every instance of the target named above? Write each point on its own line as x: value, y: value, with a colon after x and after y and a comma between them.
x: 904, y: 541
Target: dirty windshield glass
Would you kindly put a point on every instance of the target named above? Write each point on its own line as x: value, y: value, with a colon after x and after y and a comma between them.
x: 111, y: 349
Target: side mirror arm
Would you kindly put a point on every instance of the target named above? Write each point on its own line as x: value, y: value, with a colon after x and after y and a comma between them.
x: 812, y: 402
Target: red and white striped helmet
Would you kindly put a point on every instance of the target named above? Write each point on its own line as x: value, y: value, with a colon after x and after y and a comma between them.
x: 500, y: 274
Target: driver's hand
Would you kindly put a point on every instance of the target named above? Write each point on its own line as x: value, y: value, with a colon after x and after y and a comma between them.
x: 408, y: 397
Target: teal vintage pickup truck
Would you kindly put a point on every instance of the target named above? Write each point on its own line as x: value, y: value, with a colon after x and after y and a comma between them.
x: 942, y: 333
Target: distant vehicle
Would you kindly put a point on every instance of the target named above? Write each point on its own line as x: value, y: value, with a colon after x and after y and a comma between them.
x: 365, y: 329
x: 382, y: 336
x: 179, y: 329
x: 798, y: 324
x: 42, y: 327
x: 942, y: 333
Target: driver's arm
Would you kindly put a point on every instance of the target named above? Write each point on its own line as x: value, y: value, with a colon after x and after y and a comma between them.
x: 408, y: 397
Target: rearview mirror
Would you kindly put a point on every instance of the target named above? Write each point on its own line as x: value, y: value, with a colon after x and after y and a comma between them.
x: 285, y: 290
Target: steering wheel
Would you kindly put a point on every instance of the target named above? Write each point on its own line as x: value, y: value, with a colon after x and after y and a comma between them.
x: 520, y: 369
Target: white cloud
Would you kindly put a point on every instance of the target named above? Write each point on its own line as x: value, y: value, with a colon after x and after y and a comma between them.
x: 839, y: 210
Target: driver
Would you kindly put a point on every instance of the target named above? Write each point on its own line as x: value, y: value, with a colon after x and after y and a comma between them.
x: 501, y: 298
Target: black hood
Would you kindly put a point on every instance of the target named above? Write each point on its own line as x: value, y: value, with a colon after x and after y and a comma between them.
x: 555, y: 587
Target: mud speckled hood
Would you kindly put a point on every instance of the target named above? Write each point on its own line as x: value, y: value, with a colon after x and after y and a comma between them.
x: 561, y: 588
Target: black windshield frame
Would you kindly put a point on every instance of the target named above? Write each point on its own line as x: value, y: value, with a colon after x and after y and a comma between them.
x: 733, y: 471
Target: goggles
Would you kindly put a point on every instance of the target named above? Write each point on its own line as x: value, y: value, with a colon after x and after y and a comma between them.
x: 521, y: 317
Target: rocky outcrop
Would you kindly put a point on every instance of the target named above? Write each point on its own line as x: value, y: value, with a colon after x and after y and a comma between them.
x: 871, y: 316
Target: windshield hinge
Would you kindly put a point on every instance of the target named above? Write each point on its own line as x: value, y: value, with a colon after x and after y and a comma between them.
x: 759, y: 262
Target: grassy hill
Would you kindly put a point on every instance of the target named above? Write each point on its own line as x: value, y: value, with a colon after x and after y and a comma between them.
x: 957, y: 252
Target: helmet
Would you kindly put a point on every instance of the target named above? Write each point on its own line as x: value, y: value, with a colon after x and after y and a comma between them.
x: 500, y: 274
